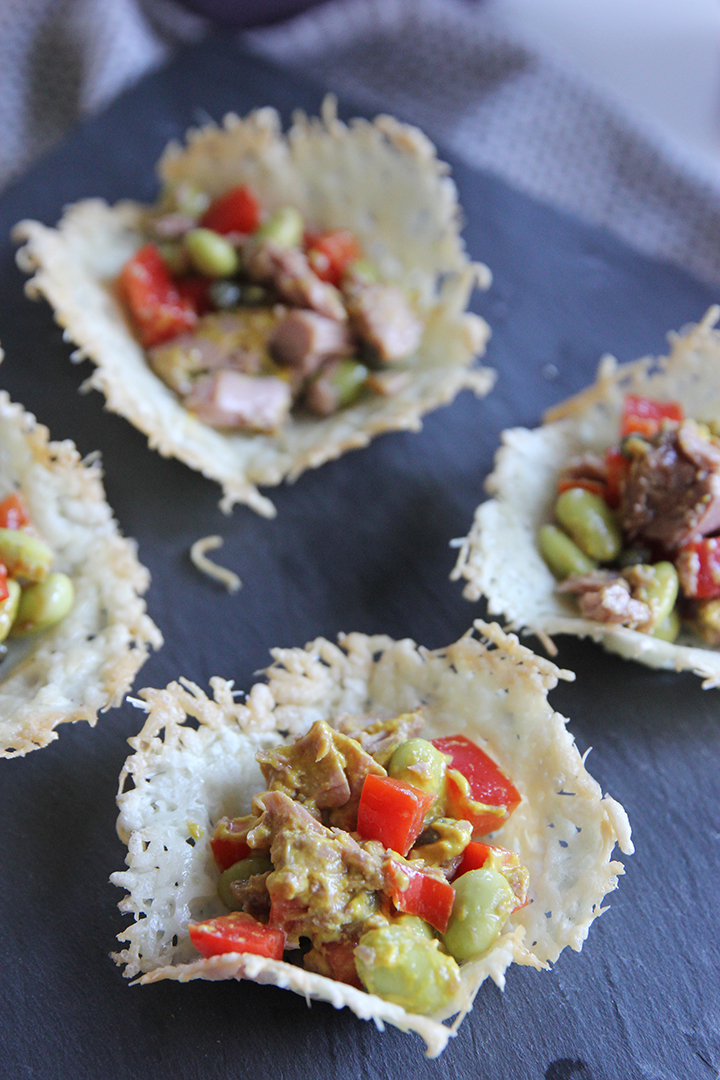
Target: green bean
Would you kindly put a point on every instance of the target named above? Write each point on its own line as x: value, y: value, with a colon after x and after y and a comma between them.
x: 561, y: 554
x: 24, y: 555
x: 211, y: 253
x: 242, y: 870
x: 284, y: 227
x: 483, y: 901
x: 8, y: 608
x: 669, y: 627
x: 655, y: 585
x: 590, y: 522
x: 43, y: 604
x: 419, y: 763
x: 400, y: 965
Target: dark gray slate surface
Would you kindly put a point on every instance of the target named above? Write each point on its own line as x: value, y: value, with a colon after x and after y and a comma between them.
x: 361, y: 544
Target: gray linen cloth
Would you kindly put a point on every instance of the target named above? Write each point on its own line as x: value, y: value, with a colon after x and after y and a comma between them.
x: 479, y: 86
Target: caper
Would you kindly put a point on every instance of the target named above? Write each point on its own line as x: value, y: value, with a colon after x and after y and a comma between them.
x: 43, y: 604
x: 483, y: 901
x: 418, y: 762
x: 225, y: 294
x: 8, y: 608
x: 211, y: 253
x: 590, y: 523
x: 634, y: 556
x: 242, y: 870
x: 284, y: 227
x: 560, y: 553
x: 402, y: 966
x: 24, y: 555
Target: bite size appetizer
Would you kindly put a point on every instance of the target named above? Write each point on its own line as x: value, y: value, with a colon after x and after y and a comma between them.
x: 286, y: 299
x: 377, y: 826
x: 605, y: 521
x: 73, y: 624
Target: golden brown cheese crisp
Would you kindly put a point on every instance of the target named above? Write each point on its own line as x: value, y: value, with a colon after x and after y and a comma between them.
x: 194, y: 762
x: 87, y: 662
x: 380, y: 179
x: 499, y: 559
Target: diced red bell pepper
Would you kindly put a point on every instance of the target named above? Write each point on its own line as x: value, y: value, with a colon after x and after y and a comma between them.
x: 13, y: 512
x: 392, y: 812
x: 157, y: 308
x: 597, y: 487
x: 421, y: 894
x: 196, y: 292
x: 331, y: 253
x: 698, y: 567
x: 229, y: 841
x: 4, y: 591
x: 236, y: 211
x: 617, y: 469
x: 643, y: 415
x: 237, y: 932
x: 477, y: 790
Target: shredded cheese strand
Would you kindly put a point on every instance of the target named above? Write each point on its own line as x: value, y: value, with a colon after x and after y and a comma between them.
x: 220, y: 573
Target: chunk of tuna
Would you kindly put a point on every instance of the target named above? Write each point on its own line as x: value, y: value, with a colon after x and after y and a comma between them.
x: 605, y: 596
x: 382, y: 317
x: 289, y: 273
x: 672, y: 491
x: 229, y: 399
x: 304, y: 339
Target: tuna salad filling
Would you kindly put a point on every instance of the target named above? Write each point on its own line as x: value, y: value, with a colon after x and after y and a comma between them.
x: 637, y: 531
x: 360, y: 861
x: 247, y: 314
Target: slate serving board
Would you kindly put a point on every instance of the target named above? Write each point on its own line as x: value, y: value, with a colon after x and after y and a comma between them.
x: 361, y: 544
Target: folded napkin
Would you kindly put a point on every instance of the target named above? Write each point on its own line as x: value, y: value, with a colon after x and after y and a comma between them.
x: 479, y: 86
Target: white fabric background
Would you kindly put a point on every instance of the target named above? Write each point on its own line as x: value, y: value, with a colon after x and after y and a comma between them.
x: 477, y: 85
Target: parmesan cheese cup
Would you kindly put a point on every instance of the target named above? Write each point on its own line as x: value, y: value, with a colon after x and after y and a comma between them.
x: 500, y: 559
x: 87, y: 662
x: 194, y: 761
x: 380, y: 179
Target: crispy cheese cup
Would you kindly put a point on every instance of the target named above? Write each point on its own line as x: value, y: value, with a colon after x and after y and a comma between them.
x: 500, y: 559
x: 87, y: 662
x: 382, y: 180
x: 193, y: 762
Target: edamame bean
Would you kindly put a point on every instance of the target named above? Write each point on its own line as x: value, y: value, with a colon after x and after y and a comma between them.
x: 561, y: 554
x: 242, y: 870
x: 362, y: 272
x: 590, y: 522
x: 669, y: 628
x: 211, y: 253
x: 24, y: 555
x: 348, y: 378
x: 284, y: 227
x: 402, y: 966
x: 43, y: 604
x: 8, y: 608
x: 483, y: 901
x: 419, y: 763
x: 655, y: 585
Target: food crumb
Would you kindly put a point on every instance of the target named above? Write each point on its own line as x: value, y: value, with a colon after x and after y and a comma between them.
x: 198, y: 556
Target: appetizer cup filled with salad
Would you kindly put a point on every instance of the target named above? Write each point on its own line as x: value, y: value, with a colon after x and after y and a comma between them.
x: 378, y: 826
x: 287, y: 298
x: 73, y: 625
x: 605, y: 521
